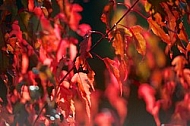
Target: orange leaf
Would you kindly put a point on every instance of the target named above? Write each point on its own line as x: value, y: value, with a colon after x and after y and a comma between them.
x: 179, y: 64
x: 182, y: 35
x: 141, y: 42
x: 112, y: 67
x: 84, y: 85
x: 119, y: 42
x: 157, y: 30
x: 171, y: 23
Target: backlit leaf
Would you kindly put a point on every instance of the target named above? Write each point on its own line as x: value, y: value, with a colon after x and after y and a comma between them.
x: 157, y: 30
x: 112, y: 67
x: 182, y: 35
x: 119, y: 43
x: 140, y: 40
x: 84, y: 85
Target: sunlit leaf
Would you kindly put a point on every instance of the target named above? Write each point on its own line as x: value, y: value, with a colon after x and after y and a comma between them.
x: 119, y: 43
x: 147, y: 6
x: 158, y: 30
x: 112, y: 67
x: 179, y: 64
x: 84, y: 85
x: 140, y: 40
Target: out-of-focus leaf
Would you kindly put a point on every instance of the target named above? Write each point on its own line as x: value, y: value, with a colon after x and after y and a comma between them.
x: 179, y: 64
x: 186, y: 73
x: 147, y: 93
x: 30, y: 5
x: 25, y: 63
x: 140, y: 40
x: 112, y: 67
x: 106, y: 13
x: 119, y: 43
x: 84, y: 85
x: 157, y: 30
x: 147, y: 6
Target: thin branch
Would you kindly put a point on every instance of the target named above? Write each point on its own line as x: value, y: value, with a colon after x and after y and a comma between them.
x: 34, y: 123
x: 106, y: 34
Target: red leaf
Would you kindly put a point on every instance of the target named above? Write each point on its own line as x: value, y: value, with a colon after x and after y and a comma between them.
x: 146, y: 92
x: 30, y: 5
x: 179, y: 64
x: 83, y: 29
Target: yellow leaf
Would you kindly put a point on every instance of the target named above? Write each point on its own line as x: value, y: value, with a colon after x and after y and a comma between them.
x: 141, y: 42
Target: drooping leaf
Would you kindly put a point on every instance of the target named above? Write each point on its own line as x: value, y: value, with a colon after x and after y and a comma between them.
x: 140, y: 40
x: 119, y: 43
x: 157, y: 30
x: 171, y: 23
x: 84, y: 85
x: 113, y: 68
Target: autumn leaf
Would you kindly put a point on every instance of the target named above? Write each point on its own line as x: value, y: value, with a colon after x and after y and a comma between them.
x: 30, y: 5
x: 140, y: 40
x: 182, y: 35
x: 171, y: 23
x: 157, y: 30
x: 147, y: 93
x: 179, y: 64
x: 85, y: 46
x: 119, y: 43
x: 25, y: 63
x: 84, y: 85
x: 105, y: 17
x: 112, y: 67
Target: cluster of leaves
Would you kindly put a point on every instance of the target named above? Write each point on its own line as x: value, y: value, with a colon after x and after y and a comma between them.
x: 43, y: 72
